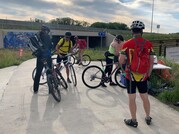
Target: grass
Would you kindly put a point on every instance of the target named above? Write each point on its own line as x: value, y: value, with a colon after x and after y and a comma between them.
x: 170, y: 94
x: 10, y: 57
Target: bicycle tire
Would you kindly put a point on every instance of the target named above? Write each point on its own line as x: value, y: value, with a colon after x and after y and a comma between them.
x: 53, y: 87
x: 92, y: 76
x: 117, y: 77
x: 86, y: 60
x: 73, y: 74
x: 72, y: 59
x: 43, y: 78
x: 61, y: 81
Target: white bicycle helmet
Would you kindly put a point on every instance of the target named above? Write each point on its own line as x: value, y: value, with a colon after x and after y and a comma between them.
x: 137, y: 24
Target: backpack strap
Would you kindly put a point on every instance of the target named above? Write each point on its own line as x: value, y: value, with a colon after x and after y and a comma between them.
x: 62, y: 43
x: 69, y: 46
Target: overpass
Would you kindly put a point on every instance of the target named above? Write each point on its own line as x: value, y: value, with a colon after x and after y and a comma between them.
x: 11, y: 29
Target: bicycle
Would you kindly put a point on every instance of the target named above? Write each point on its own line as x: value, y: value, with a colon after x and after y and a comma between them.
x: 86, y: 59
x: 52, y: 81
x: 43, y: 78
x: 92, y: 76
x: 71, y: 68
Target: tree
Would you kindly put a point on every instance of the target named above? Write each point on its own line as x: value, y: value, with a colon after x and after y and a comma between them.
x: 111, y: 25
x: 99, y: 25
x: 69, y: 21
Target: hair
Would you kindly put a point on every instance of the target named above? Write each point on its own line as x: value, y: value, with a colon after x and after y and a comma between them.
x: 119, y: 37
x: 136, y: 30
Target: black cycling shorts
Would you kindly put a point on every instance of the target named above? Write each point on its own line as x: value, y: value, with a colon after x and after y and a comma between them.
x: 142, y: 86
x: 59, y: 59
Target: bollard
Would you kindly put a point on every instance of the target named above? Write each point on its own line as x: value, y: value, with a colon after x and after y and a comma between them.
x: 20, y: 52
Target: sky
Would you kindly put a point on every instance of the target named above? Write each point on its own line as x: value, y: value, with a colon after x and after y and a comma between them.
x: 165, y: 12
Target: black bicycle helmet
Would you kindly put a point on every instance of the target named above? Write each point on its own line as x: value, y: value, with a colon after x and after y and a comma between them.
x: 137, y: 25
x: 68, y: 34
x: 45, y: 28
x: 119, y: 37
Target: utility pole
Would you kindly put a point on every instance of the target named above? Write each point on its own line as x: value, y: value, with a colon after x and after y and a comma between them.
x: 152, y: 15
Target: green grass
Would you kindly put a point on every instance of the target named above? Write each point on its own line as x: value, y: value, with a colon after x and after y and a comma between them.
x: 10, y: 57
x: 168, y: 96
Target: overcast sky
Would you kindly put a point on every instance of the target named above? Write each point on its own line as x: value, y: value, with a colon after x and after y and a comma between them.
x: 166, y: 12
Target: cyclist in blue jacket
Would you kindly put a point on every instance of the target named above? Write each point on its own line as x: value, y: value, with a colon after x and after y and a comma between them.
x: 44, y: 53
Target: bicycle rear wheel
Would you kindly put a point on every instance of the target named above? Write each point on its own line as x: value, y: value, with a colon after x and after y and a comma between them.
x: 53, y: 87
x: 86, y: 60
x: 73, y: 74
x: 92, y: 76
x: 43, y: 77
x: 119, y: 78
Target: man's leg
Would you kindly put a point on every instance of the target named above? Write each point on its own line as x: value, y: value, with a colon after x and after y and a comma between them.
x: 146, y: 103
x: 131, y: 90
x: 39, y: 67
x: 132, y: 105
x: 67, y: 72
x: 142, y: 86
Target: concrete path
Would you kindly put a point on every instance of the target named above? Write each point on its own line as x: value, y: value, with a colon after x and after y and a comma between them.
x: 81, y: 110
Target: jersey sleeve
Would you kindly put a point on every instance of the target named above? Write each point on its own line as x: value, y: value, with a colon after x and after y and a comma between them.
x: 60, y: 42
x: 124, y: 49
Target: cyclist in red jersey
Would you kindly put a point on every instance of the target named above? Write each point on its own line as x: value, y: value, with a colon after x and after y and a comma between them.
x: 81, y: 44
x: 134, y: 79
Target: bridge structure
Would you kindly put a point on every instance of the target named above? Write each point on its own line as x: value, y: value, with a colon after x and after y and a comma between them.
x: 95, y: 37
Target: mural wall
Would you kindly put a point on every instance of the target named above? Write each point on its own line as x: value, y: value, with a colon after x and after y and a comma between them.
x: 17, y: 39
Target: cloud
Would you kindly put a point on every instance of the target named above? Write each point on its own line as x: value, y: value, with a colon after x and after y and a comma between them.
x: 123, y: 11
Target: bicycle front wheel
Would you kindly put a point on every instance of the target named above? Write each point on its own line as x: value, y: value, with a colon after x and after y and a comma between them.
x: 53, y: 87
x: 43, y: 77
x: 86, y: 60
x: 73, y: 74
x: 61, y: 80
x: 119, y: 78
x: 72, y: 59
x: 92, y: 76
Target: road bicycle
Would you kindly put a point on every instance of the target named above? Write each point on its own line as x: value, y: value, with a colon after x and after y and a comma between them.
x: 86, y: 59
x: 43, y: 78
x: 92, y: 76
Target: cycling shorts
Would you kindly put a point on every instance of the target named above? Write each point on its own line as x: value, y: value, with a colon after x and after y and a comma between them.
x: 142, y: 86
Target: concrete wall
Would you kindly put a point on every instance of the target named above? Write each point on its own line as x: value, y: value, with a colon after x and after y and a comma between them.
x: 1, y: 39
x: 109, y: 39
x: 85, y: 34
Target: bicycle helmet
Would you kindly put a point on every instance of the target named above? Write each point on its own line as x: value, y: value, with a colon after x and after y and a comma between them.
x: 45, y: 28
x: 137, y: 24
x: 119, y: 37
x: 68, y: 34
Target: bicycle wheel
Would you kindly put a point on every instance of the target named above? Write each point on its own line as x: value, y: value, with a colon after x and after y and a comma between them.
x: 72, y: 59
x: 43, y: 77
x: 73, y: 74
x: 61, y: 80
x: 92, y: 76
x: 86, y: 60
x: 119, y: 78
x: 53, y: 87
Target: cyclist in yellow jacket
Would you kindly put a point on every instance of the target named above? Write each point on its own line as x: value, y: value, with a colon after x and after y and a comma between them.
x: 63, y: 47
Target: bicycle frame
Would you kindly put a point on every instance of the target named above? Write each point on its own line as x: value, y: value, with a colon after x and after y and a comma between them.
x: 113, y: 71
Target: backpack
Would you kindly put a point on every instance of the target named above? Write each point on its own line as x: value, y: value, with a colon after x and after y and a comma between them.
x: 35, y: 45
x: 141, y: 58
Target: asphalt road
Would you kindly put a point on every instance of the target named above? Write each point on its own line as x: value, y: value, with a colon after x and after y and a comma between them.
x: 81, y: 110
